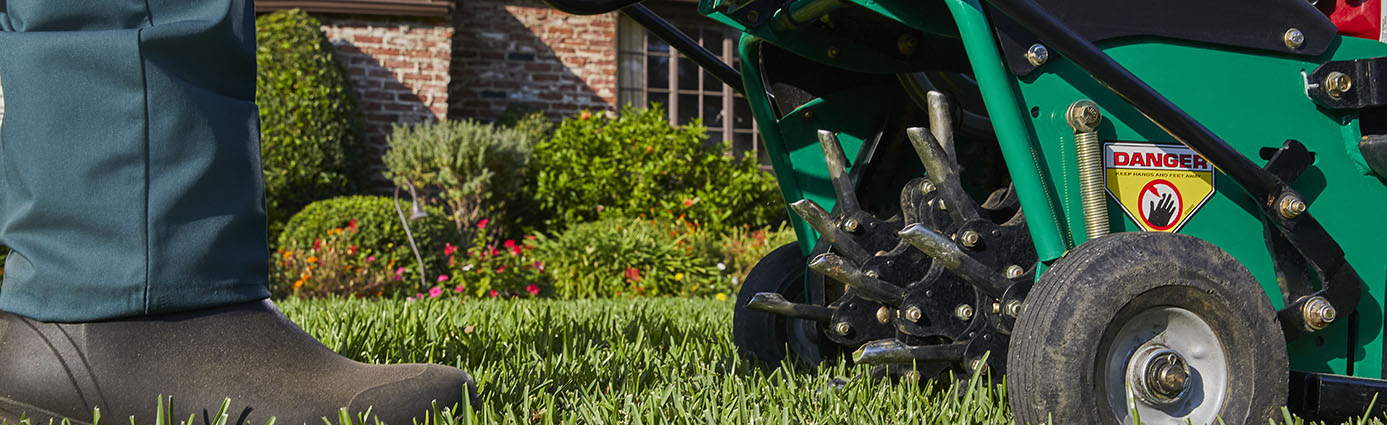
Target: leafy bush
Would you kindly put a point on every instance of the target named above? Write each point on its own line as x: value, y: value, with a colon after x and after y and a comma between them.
x: 310, y: 126
x: 637, y: 164
x: 330, y: 266
x: 624, y: 256
x: 741, y: 248
x: 508, y: 270
x: 471, y: 166
x: 380, y: 234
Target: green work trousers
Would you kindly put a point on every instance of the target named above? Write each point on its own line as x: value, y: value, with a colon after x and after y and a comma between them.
x: 130, y: 178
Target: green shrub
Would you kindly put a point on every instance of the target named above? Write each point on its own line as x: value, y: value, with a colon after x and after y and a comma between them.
x: 625, y: 256
x: 488, y: 269
x: 310, y: 126
x: 742, y: 248
x: 380, y: 234
x: 472, y: 167
x: 637, y: 164
x: 333, y: 266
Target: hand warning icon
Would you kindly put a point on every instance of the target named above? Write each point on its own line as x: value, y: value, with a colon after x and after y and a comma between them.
x: 1160, y: 204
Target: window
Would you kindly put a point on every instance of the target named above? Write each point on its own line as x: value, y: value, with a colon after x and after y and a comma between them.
x: 650, y: 71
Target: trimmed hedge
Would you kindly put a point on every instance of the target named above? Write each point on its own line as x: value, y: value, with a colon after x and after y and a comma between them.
x: 310, y: 126
x: 380, y: 233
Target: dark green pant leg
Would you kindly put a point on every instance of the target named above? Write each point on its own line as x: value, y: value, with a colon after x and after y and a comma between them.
x: 129, y: 158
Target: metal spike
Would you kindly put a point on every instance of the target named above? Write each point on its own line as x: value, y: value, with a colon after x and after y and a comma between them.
x: 838, y: 172
x: 948, y: 254
x: 772, y: 302
x: 945, y: 177
x: 893, y: 351
x: 941, y: 124
x: 867, y: 287
x: 820, y: 220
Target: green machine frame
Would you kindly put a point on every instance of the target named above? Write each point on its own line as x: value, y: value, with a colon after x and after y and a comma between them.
x: 1028, y: 117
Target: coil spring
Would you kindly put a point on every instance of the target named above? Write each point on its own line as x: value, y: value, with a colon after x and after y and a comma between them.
x: 1095, y: 205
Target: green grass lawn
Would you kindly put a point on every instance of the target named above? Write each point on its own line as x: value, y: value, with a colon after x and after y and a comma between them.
x: 645, y: 361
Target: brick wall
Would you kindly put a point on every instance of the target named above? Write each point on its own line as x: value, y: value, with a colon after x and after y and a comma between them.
x: 399, y: 69
x: 521, y: 52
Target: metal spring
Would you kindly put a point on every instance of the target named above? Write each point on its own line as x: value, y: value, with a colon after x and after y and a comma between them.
x: 1090, y: 153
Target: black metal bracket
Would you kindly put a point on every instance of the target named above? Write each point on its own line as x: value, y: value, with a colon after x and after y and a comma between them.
x: 688, y: 46
x: 1349, y: 84
x: 1293, y: 239
x: 1335, y: 398
x: 1342, y: 285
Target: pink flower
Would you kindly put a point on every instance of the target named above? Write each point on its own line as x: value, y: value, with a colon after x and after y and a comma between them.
x: 539, y: 266
x: 482, y: 224
x: 370, y: 258
x: 351, y: 250
x: 500, y: 269
x: 532, y: 289
x: 600, y: 208
x: 460, y: 288
x: 492, y: 251
x: 449, y: 249
x: 493, y: 293
x: 435, y: 292
x: 443, y: 278
x: 419, y: 295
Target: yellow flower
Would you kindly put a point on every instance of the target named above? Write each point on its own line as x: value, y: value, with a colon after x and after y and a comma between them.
x: 721, y: 296
x: 678, y: 276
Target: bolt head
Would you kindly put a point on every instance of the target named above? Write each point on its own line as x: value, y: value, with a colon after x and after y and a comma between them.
x: 964, y: 312
x: 969, y: 238
x: 927, y: 187
x: 1084, y: 116
x: 913, y: 313
x: 906, y: 45
x: 1014, y: 308
x: 1037, y: 55
x: 884, y: 315
x: 1015, y: 271
x: 842, y: 328
x: 1291, y: 207
x: 1318, y: 313
x: 1336, y: 84
x: 851, y: 225
x: 833, y: 52
x: 872, y: 274
x: 753, y: 16
x: 1294, y: 38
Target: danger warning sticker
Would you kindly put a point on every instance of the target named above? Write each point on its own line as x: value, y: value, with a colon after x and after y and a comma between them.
x: 1159, y: 186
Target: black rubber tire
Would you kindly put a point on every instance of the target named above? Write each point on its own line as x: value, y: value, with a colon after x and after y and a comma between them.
x: 758, y: 335
x: 1060, y: 338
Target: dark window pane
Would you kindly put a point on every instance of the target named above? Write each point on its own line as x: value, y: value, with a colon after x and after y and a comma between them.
x: 688, y: 74
x: 653, y: 44
x: 632, y: 72
x: 712, y: 111
x: 715, y: 137
x: 657, y: 72
x: 660, y: 98
x: 712, y: 40
x: 742, y: 144
x: 741, y: 116
x: 688, y: 108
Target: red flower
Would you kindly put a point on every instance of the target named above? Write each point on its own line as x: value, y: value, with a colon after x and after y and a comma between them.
x: 492, y: 251
x: 482, y: 224
x: 493, y: 293
x: 351, y: 250
x: 688, y: 202
x: 633, y: 274
x: 351, y: 226
x: 515, y: 249
x: 532, y: 289
x: 317, y: 243
x: 449, y: 249
x: 500, y: 269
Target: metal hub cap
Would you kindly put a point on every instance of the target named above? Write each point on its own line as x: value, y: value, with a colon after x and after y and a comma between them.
x: 1167, y: 365
x: 1159, y: 375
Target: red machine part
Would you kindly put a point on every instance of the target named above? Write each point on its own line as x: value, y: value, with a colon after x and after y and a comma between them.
x: 1357, y: 18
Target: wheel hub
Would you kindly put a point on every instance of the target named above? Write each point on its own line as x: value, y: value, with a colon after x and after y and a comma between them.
x: 1160, y: 375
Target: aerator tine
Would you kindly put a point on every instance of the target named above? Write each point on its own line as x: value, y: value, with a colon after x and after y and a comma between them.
x: 771, y: 302
x: 867, y: 286
x: 823, y: 222
x: 838, y: 172
x: 945, y: 177
x: 891, y: 350
x: 948, y: 254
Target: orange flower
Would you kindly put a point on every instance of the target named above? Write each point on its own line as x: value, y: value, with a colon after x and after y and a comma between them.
x: 312, y: 259
x: 298, y: 284
x: 288, y: 254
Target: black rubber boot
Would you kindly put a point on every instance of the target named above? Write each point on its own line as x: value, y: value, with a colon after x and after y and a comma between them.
x: 249, y: 352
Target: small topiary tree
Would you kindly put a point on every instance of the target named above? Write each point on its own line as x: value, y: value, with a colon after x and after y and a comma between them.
x: 473, y: 168
x: 310, y: 126
x: 379, y: 232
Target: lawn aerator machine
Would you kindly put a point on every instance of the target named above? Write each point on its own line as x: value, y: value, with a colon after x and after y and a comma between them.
x: 1164, y: 209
